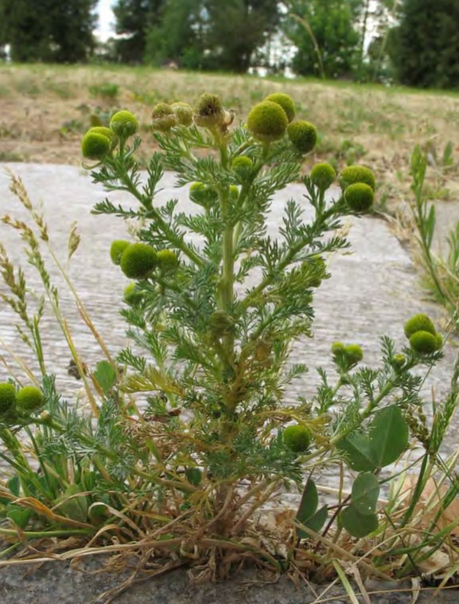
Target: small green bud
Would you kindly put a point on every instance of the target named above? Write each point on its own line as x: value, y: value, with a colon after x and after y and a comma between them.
x: 398, y: 361
x: 297, y: 438
x: 323, y: 176
x: 167, y: 260
x: 138, y: 260
x: 131, y: 295
x: 95, y: 146
x: 320, y: 269
x: 354, y: 174
x: 203, y: 194
x: 337, y: 347
x: 221, y: 323
x: 29, y: 400
x: 7, y: 398
x: 234, y: 192
x: 267, y: 121
x: 242, y: 166
x: 183, y: 113
x: 424, y: 342
x: 105, y: 132
x: 359, y: 197
x: 209, y: 111
x: 116, y: 250
x: 163, y: 117
x: 419, y: 322
x: 353, y: 353
x: 285, y: 101
x: 302, y: 135
x: 124, y: 124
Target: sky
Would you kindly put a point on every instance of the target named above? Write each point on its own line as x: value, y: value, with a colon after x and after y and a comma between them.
x: 105, y: 27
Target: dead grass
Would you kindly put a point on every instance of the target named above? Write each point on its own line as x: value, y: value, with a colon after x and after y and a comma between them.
x: 45, y: 110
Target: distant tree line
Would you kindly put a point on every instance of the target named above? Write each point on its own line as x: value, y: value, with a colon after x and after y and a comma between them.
x: 414, y: 42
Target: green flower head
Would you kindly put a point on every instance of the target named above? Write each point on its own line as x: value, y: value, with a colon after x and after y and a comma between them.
x: 131, y: 295
x: 359, y: 197
x: 138, y: 260
x: 354, y: 174
x: 29, y: 400
x: 163, y: 117
x: 267, y: 121
x: 116, y: 250
x: 7, y: 398
x: 167, y: 260
x: 423, y: 342
x: 297, y: 438
x: 285, y: 101
x: 124, y: 124
x: 353, y: 353
x: 302, y: 135
x: 398, y: 361
x: 337, y: 347
x: 439, y: 340
x: 95, y: 146
x: 234, y: 192
x: 183, y: 113
x: 209, y: 112
x: 242, y: 166
x: 323, y: 176
x: 203, y: 194
x: 419, y: 322
x: 105, y: 132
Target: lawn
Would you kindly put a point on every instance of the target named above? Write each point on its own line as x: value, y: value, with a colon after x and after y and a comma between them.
x: 45, y: 110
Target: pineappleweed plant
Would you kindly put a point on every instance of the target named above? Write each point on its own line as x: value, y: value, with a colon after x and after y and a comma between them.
x: 213, y: 310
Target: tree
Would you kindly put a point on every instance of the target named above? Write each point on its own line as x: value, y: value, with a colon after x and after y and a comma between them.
x: 325, y: 35
x: 210, y: 34
x: 48, y: 31
x: 425, y: 49
x: 134, y: 18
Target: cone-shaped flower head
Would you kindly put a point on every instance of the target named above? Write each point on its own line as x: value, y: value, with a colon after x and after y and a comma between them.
x: 398, y: 361
x: 419, y: 322
x: 297, y: 438
x: 353, y: 174
x: 163, y: 117
x: 354, y: 353
x: 95, y: 146
x: 337, y: 347
x: 29, y: 400
x: 303, y: 135
x: 203, y: 194
x: 285, y: 101
x: 116, y: 250
x: 7, y: 398
x: 209, y: 111
x: 242, y: 166
x: 124, y: 124
x: 323, y: 176
x: 183, y: 113
x: 267, y: 121
x: 167, y: 260
x: 131, y: 295
x: 424, y: 342
x: 359, y: 197
x: 138, y: 260
x: 105, y: 132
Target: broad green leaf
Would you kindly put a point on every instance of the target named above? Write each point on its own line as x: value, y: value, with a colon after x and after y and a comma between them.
x: 365, y: 493
x: 14, y: 485
x: 105, y: 375
x: 315, y: 522
x: 388, y: 436
x: 355, y: 448
x: 357, y: 524
x: 18, y: 515
x: 309, y: 502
